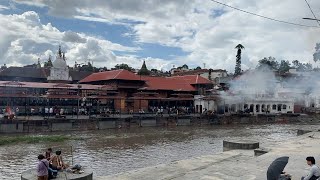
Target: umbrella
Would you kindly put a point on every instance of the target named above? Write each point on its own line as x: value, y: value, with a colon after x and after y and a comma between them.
x: 276, y: 167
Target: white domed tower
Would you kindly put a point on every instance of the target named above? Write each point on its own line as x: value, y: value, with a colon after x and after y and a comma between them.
x: 59, y: 71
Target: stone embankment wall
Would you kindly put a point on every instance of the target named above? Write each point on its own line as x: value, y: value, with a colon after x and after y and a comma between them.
x: 48, y: 125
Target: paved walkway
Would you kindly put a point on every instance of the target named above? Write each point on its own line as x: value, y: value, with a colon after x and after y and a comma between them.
x: 233, y: 165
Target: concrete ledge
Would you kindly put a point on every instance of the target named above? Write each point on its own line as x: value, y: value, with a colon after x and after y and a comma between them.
x: 61, y: 126
x: 31, y: 174
x: 106, y: 124
x: 183, y: 122
x: 148, y: 123
x: 228, y: 145
x: 260, y: 151
x: 301, y: 132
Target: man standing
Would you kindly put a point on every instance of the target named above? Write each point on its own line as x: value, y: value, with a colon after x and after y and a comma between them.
x: 314, y: 173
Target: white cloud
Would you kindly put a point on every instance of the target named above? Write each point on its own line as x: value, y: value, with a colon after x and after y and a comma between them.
x: 24, y: 38
x: 197, y: 28
x: 2, y: 7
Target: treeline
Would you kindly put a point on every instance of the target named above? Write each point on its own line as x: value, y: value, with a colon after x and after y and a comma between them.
x: 283, y: 66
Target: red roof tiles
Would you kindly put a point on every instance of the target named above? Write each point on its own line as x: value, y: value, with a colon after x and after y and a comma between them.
x: 193, y: 79
x: 108, y: 75
x: 176, y: 83
x: 166, y: 83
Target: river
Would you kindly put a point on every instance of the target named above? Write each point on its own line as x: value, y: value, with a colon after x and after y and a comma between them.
x: 113, y: 151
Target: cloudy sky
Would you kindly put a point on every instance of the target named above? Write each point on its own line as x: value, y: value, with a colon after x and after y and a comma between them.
x: 162, y: 32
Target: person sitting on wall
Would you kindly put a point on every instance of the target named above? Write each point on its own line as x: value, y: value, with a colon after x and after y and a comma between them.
x: 48, y: 154
x: 57, y: 162
x: 42, y: 168
x: 314, y: 173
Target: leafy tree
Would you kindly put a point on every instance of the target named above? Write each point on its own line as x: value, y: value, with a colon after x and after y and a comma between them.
x: 87, y: 67
x: 185, y: 66
x: 269, y: 62
x: 237, y: 70
x: 302, y: 66
x: 197, y: 68
x: 48, y: 64
x: 144, y: 70
x: 284, y: 66
x: 123, y: 66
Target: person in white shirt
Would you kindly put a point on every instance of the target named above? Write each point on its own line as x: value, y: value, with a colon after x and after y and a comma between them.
x: 314, y: 173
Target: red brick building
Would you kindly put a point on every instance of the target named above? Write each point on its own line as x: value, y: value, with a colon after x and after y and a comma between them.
x: 136, y: 92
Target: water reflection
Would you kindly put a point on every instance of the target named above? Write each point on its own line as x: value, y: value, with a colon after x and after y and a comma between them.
x: 113, y: 151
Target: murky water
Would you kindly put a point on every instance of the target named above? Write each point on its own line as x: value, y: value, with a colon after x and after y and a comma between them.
x: 113, y: 151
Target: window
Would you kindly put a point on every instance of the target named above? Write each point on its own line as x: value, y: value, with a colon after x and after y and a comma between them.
x: 257, y: 108
x: 263, y: 108
x: 284, y: 106
x: 274, y: 107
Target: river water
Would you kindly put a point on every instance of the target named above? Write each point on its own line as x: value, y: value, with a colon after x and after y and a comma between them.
x: 114, y: 151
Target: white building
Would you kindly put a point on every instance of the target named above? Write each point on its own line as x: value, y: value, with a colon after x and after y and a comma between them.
x: 59, y: 71
x: 202, y: 104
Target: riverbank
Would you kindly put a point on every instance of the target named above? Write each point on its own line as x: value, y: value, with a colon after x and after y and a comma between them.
x: 234, y: 164
x: 52, y: 124
x: 4, y: 140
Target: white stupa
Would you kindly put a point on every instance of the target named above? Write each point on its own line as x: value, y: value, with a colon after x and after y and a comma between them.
x: 59, y: 71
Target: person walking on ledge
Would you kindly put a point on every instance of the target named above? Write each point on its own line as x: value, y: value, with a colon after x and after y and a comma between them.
x: 314, y: 173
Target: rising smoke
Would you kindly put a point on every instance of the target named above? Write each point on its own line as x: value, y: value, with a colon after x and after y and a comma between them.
x: 316, y: 55
x: 268, y: 84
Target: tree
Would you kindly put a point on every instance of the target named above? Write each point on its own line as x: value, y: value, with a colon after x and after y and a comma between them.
x: 197, y: 68
x: 185, y: 66
x: 144, y: 70
x: 87, y: 67
x: 269, y: 62
x: 123, y: 66
x: 284, y: 66
x: 302, y: 66
x: 237, y: 70
x: 48, y: 64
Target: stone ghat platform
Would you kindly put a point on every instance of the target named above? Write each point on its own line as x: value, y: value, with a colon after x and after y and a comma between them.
x: 234, y: 164
x: 31, y: 174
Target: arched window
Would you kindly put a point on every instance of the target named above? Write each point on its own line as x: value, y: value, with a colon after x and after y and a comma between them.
x: 284, y: 106
x: 257, y: 107
x: 274, y: 107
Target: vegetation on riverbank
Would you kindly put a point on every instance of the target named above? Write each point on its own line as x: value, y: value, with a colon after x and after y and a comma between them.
x: 32, y: 139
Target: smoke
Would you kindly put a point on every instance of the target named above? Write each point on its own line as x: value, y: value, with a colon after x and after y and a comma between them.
x: 269, y: 85
x: 316, y: 55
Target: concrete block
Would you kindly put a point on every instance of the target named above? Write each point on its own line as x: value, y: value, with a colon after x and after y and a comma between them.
x: 61, y: 126
x: 228, y: 145
x: 148, y: 123
x: 11, y: 128
x: 31, y: 174
x: 183, y: 122
x: 106, y: 124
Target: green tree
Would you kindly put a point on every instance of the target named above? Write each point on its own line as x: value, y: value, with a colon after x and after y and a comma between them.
x: 123, y: 66
x: 237, y: 70
x: 269, y: 62
x: 185, y: 66
x: 48, y: 64
x: 284, y: 66
x: 302, y: 66
x: 197, y: 68
x: 144, y: 70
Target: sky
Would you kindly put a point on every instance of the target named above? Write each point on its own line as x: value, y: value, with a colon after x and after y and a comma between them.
x: 164, y: 33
